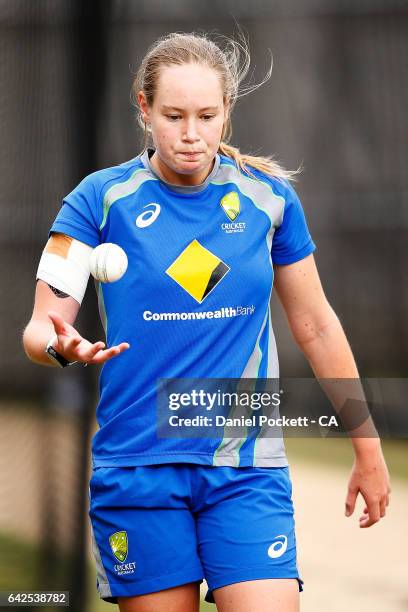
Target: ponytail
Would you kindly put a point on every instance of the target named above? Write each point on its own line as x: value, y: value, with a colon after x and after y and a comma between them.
x: 263, y: 164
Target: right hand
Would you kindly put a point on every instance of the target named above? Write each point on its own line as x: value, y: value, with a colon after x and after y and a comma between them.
x: 71, y: 345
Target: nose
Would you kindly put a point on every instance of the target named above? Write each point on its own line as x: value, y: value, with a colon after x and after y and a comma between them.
x: 190, y: 131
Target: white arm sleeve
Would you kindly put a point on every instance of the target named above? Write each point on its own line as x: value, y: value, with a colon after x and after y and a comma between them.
x: 65, y: 265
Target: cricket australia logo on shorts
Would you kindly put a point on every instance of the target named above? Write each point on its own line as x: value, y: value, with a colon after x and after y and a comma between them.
x: 279, y: 547
x: 119, y: 545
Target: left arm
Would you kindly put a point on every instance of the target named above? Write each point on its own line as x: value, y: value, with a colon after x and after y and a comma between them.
x: 320, y: 336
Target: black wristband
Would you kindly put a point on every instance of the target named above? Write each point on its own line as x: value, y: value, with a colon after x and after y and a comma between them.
x: 55, y: 356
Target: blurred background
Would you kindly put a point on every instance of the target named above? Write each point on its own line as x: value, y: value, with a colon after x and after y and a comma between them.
x: 337, y: 103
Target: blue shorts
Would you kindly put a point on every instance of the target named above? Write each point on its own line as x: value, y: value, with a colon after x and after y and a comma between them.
x: 160, y: 526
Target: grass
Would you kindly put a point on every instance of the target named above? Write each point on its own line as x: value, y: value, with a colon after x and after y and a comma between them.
x: 18, y: 564
x: 19, y: 571
x: 19, y: 567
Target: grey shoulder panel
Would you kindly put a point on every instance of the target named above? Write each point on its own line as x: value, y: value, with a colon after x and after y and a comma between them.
x: 124, y: 189
x: 258, y: 191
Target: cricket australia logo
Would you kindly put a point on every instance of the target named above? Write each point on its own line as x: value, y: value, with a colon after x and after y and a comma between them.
x: 119, y: 545
x: 231, y: 205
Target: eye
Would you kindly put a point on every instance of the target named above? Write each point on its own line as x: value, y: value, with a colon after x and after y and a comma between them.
x: 173, y: 117
x: 207, y: 117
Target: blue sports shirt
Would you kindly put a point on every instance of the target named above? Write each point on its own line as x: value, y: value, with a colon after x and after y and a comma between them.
x: 194, y: 302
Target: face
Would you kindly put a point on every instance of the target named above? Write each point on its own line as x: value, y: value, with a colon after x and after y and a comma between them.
x: 186, y: 121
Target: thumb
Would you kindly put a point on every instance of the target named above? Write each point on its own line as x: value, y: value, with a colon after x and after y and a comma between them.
x: 57, y: 321
x: 351, y: 501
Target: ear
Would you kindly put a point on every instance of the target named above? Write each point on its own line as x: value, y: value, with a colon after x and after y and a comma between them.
x: 143, y: 105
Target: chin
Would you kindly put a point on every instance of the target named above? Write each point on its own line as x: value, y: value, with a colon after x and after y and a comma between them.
x: 190, y: 167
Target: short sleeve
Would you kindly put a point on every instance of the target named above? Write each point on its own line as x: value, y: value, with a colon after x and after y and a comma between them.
x: 78, y: 216
x: 292, y: 240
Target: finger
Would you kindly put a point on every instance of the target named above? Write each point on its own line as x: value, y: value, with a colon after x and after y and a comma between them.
x: 73, y: 342
x: 365, y: 520
x: 118, y: 348
x: 373, y: 515
x: 109, y: 353
x: 351, y: 501
x: 95, y: 348
x: 68, y: 346
x: 105, y: 355
x: 87, y: 354
x: 383, y: 505
x: 123, y: 346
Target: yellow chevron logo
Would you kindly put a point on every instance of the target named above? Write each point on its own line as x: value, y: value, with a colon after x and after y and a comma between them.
x: 197, y: 270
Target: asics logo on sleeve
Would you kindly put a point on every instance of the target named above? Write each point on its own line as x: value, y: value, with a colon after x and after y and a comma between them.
x: 278, y: 548
x: 149, y: 216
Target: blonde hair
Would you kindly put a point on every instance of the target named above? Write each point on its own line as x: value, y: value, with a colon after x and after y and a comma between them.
x: 231, y: 62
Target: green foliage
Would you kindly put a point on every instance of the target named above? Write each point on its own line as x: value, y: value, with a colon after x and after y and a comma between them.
x: 18, y: 563
x: 19, y: 571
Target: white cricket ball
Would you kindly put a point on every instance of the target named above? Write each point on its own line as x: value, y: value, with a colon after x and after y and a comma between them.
x: 108, y: 262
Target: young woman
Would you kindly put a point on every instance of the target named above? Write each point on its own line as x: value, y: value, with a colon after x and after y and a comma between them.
x: 207, y: 231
